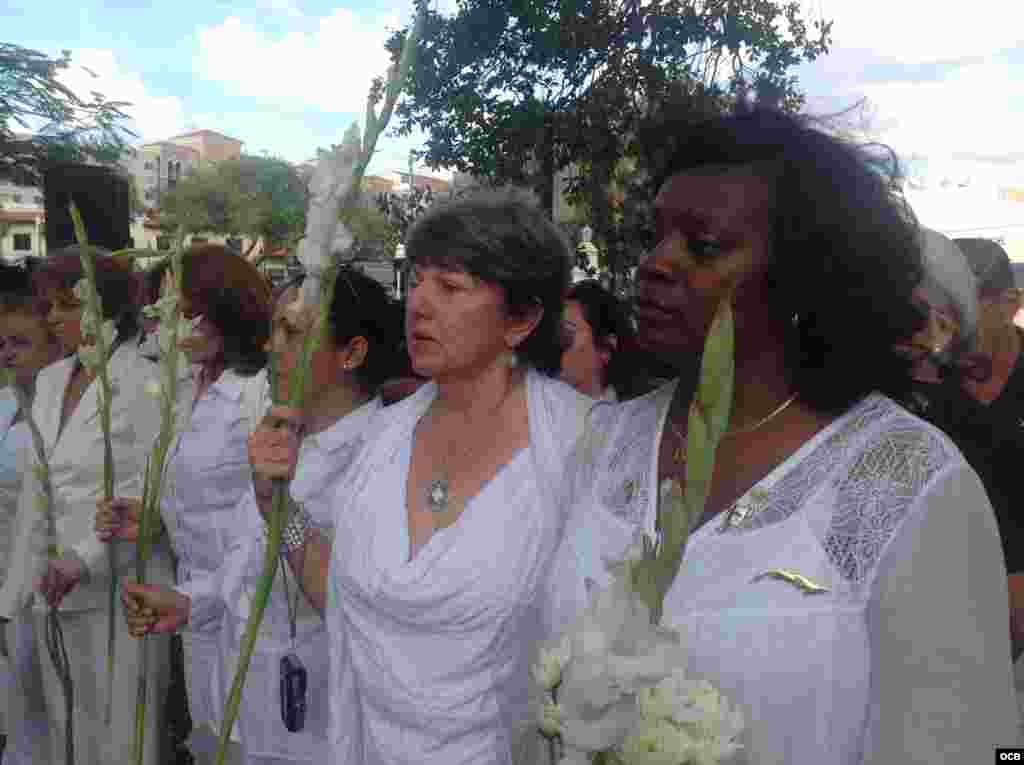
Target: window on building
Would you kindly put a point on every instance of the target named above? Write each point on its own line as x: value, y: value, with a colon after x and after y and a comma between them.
x: 37, y: 199
x: 150, y: 195
x: 16, y: 198
x: 163, y: 243
x: 23, y: 242
x: 147, y: 165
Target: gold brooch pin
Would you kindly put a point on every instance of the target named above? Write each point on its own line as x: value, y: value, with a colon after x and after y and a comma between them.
x: 799, y: 581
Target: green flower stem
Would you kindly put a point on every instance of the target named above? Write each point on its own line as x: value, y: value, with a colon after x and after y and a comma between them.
x: 680, y: 509
x: 94, y: 305
x: 278, y: 518
x: 153, y: 481
x: 297, y: 384
x: 54, y: 635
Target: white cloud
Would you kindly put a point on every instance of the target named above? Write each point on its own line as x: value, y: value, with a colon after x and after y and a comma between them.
x: 916, y: 31
x: 935, y: 82
x: 330, y: 67
x: 969, y: 111
x: 152, y: 117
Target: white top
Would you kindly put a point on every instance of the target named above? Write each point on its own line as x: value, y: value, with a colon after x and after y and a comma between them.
x: 76, y: 470
x: 322, y: 459
x: 430, y: 657
x: 14, y: 439
x: 907, y: 653
x: 208, y: 471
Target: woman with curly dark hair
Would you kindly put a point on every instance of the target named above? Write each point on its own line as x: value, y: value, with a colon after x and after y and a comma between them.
x: 894, y: 643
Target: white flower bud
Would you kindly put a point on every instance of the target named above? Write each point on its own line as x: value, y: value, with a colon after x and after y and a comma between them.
x: 550, y: 720
x: 153, y: 389
x: 548, y: 670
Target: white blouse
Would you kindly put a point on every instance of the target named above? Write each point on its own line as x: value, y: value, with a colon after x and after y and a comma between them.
x: 906, y: 655
x: 323, y: 458
x: 208, y: 471
x: 76, y: 470
x: 14, y: 439
x: 430, y: 656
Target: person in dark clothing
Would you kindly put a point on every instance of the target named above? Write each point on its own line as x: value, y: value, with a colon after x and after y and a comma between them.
x: 952, y: 361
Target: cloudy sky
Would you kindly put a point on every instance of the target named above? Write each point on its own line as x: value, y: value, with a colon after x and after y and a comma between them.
x: 285, y: 76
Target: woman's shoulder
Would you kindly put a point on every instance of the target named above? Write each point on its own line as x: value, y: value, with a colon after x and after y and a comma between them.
x: 874, y: 471
x: 886, y: 440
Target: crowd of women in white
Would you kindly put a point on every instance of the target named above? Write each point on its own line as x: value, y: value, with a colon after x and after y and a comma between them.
x: 438, y: 540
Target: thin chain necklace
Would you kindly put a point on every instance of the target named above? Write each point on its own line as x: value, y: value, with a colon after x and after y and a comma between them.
x: 679, y: 453
x: 764, y: 420
x: 439, y: 494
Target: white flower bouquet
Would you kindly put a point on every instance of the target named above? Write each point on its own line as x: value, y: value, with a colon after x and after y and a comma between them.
x: 615, y: 690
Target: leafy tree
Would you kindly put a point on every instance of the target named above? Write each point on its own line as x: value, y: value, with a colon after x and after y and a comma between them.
x: 258, y: 197
x: 62, y: 126
x: 516, y: 91
x: 375, y: 236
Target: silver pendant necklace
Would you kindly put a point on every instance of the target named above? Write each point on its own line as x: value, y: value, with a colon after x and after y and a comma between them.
x: 437, y: 499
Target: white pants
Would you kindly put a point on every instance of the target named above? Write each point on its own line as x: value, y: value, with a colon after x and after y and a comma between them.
x: 27, y: 727
x: 85, y: 637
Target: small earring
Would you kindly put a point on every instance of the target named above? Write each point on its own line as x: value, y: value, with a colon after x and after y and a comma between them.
x: 512, y: 359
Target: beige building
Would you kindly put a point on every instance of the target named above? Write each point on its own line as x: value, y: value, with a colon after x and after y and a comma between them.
x: 22, y: 222
x: 158, y: 167
x: 210, y: 145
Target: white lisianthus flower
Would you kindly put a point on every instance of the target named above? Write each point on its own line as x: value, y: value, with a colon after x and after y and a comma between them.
x: 547, y: 672
x: 658, y: 703
x: 154, y: 390
x: 658, y: 743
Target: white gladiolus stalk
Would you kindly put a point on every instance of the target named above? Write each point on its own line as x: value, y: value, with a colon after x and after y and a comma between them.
x: 51, y: 550
x: 172, y: 328
x: 103, y: 343
x: 338, y: 175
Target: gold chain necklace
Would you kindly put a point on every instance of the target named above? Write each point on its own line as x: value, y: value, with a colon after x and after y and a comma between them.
x: 679, y: 453
x: 764, y: 420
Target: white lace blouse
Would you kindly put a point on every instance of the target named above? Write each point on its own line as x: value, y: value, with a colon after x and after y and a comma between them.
x: 905, y: 657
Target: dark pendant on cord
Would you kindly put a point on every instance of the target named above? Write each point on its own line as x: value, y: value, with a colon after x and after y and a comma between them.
x: 293, y: 693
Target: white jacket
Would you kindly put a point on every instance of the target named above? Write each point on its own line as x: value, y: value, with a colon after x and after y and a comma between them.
x: 76, y: 470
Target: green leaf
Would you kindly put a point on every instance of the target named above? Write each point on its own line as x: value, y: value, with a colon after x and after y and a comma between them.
x: 714, y: 390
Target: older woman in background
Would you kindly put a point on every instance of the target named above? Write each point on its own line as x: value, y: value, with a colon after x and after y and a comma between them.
x: 208, y: 471
x: 26, y: 346
x: 77, y: 582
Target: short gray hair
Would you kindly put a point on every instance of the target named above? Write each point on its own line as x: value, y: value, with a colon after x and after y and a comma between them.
x: 502, y: 237
x: 947, y: 271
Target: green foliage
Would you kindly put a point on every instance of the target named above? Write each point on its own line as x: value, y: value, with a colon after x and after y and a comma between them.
x: 64, y: 125
x: 256, y: 197
x: 516, y: 91
x: 374, y: 235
